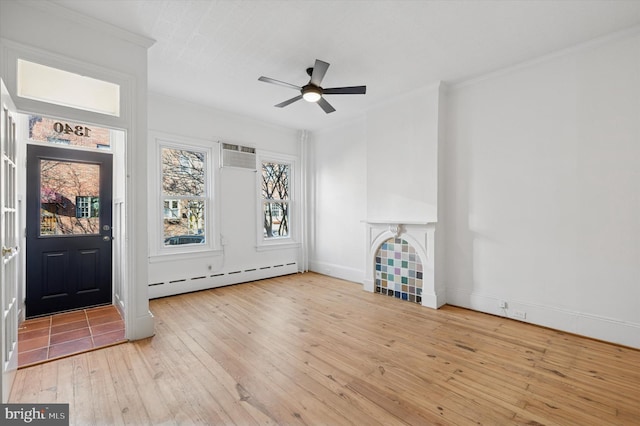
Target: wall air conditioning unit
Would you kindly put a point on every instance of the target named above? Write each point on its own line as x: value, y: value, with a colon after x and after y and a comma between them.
x: 242, y: 157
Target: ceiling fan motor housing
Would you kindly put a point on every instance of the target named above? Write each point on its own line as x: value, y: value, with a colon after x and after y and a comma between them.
x: 311, y: 92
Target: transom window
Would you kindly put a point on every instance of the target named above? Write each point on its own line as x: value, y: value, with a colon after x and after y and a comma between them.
x: 42, y: 83
x: 64, y: 132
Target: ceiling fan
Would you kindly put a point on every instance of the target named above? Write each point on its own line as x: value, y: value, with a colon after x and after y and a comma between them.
x: 312, y: 92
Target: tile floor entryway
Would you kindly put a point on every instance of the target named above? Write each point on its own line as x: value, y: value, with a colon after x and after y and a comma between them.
x: 69, y: 333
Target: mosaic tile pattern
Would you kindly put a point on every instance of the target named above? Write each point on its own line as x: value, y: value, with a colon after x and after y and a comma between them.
x: 399, y: 271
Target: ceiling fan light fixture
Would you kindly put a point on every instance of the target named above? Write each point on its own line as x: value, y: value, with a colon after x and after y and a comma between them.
x: 311, y: 93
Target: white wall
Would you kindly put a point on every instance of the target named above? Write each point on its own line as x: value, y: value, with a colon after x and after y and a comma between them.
x: 237, y: 197
x: 542, y: 171
x: 382, y: 167
x: 402, y: 158
x: 339, y: 202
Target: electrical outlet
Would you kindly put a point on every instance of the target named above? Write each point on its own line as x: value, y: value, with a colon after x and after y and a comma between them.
x: 519, y: 314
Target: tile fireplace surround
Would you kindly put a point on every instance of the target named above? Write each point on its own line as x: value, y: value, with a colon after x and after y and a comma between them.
x: 421, y: 238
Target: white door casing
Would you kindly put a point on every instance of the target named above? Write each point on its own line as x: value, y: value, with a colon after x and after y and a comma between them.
x: 9, y: 242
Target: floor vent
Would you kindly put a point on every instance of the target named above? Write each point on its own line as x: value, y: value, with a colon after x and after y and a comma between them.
x: 242, y: 157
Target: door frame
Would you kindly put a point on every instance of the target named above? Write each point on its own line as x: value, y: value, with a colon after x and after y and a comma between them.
x: 11, y: 255
x: 36, y: 152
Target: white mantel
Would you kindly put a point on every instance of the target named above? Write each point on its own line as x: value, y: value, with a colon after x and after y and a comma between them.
x: 421, y: 235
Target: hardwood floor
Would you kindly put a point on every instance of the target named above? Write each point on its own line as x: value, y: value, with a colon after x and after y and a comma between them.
x: 308, y: 349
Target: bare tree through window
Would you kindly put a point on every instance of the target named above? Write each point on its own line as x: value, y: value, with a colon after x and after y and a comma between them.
x: 69, y: 198
x: 275, y: 199
x: 184, y: 193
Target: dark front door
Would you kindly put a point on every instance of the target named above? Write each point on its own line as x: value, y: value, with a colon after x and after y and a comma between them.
x: 69, y: 198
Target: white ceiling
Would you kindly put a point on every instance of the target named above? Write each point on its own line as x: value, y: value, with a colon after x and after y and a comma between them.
x: 212, y: 52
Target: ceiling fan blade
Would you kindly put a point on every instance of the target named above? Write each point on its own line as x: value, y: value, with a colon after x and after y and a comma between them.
x: 319, y: 70
x: 280, y: 83
x: 288, y: 101
x: 354, y: 90
x: 326, y: 106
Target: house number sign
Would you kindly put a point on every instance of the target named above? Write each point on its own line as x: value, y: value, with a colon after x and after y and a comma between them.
x: 65, y: 128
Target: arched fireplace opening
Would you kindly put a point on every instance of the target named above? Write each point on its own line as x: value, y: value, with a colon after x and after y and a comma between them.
x: 398, y: 271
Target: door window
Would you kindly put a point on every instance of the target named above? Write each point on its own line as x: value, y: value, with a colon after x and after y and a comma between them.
x: 69, y: 198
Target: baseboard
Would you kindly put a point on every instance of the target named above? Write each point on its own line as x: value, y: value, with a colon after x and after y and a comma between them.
x: 580, y: 323
x: 223, y: 278
x: 337, y: 271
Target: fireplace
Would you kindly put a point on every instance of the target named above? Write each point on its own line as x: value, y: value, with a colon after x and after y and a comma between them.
x: 401, y: 262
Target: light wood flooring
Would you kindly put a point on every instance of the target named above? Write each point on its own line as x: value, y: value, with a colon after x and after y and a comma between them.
x: 308, y: 349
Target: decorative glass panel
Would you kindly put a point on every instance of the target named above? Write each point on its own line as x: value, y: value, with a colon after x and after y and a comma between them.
x: 62, y: 132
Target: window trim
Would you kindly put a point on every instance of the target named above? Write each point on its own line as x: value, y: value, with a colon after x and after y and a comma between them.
x: 291, y: 240
x: 157, y: 198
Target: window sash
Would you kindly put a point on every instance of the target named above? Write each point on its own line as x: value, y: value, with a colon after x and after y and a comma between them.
x: 275, y: 199
x: 185, y: 204
x: 276, y: 219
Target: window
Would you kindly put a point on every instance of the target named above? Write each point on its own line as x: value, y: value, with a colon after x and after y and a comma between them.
x: 275, y: 188
x: 184, y: 195
x: 184, y: 216
x: 71, y: 133
x: 43, y: 83
x: 69, y: 198
x: 171, y: 210
x: 87, y: 207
